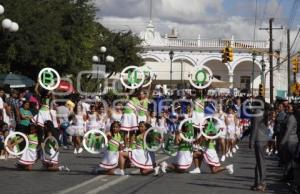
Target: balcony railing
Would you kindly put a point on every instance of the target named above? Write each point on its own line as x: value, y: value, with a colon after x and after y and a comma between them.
x: 214, y: 43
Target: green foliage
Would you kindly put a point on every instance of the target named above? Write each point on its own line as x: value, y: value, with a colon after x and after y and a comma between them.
x: 123, y: 46
x: 62, y: 34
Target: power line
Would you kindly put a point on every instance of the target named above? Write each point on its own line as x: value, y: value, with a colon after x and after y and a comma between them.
x: 293, y: 12
x: 295, y: 38
x: 279, y: 3
x: 255, y: 20
x: 264, y: 10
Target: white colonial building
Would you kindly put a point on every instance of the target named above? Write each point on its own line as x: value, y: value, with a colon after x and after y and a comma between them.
x: 189, y: 53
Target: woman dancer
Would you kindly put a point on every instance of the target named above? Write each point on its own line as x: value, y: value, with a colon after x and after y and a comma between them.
x: 139, y: 156
x: 222, y: 139
x: 184, y: 158
x: 77, y: 128
x: 29, y: 157
x: 111, y: 155
x: 51, y: 163
x: 231, y: 124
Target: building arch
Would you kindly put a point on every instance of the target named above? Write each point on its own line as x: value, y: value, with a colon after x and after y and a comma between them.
x: 214, y: 58
x: 242, y: 75
x: 245, y: 59
x: 150, y: 56
x: 185, y: 58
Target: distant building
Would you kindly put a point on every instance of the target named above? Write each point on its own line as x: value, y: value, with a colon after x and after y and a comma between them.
x: 189, y: 53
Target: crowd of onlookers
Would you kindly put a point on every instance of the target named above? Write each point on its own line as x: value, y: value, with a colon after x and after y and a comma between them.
x: 20, y: 108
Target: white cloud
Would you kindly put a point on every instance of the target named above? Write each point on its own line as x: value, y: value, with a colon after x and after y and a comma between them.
x: 193, y: 17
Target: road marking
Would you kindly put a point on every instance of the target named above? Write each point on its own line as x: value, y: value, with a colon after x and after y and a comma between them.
x: 82, y: 184
x: 118, y: 180
x: 102, y: 178
x: 107, y: 185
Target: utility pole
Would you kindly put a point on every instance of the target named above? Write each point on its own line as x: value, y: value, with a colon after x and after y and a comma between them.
x: 271, y: 59
x: 288, y: 62
x: 271, y: 55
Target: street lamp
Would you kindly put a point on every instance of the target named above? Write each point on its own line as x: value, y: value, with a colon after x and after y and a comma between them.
x: 171, y: 55
x: 1, y: 9
x: 7, y: 24
x: 263, y: 69
x: 96, y: 59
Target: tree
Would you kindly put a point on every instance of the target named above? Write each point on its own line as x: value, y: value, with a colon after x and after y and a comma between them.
x: 124, y: 47
x: 62, y: 34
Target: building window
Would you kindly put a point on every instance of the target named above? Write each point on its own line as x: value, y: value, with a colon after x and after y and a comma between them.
x: 217, y: 77
x: 245, y: 83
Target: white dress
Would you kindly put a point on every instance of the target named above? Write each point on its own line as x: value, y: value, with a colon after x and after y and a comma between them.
x: 92, y: 122
x: 45, y: 115
x: 78, y: 127
x: 221, y: 116
x: 231, y: 128
x: 114, y: 117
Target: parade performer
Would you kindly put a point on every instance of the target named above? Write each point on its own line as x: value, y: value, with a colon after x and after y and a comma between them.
x: 51, y: 164
x: 198, y: 112
x: 45, y: 114
x: 111, y: 155
x: 30, y: 155
x: 142, y: 107
x: 129, y: 121
x: 208, y: 152
x: 231, y: 124
x: 222, y: 139
x: 152, y: 120
x: 184, y: 157
x: 93, y: 119
x: 139, y: 156
x: 77, y: 128
x: 114, y: 114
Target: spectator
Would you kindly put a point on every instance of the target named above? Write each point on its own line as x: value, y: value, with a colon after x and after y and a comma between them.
x: 258, y: 140
x: 63, y: 114
x: 289, y: 144
x: 2, y: 99
x: 25, y: 117
x: 9, y: 118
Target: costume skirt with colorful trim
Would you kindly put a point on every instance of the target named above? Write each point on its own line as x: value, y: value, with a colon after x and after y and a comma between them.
x: 211, y: 157
x: 29, y: 157
x: 183, y: 160
x: 53, y: 159
x: 141, y: 159
x: 110, y: 160
x: 129, y: 122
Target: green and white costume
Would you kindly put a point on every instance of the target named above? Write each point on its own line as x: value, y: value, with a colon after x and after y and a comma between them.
x: 111, y: 154
x: 184, y: 158
x: 139, y: 156
x: 30, y: 155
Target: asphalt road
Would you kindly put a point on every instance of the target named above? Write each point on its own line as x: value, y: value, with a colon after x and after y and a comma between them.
x: 80, y: 179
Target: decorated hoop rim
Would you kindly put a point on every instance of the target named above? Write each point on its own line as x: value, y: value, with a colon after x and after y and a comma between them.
x: 87, y: 134
x: 219, y: 133
x: 145, y: 140
x: 182, y: 136
x: 10, y: 136
x: 47, y: 156
x: 151, y: 74
x: 57, y: 78
x: 123, y: 74
x: 201, y: 70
